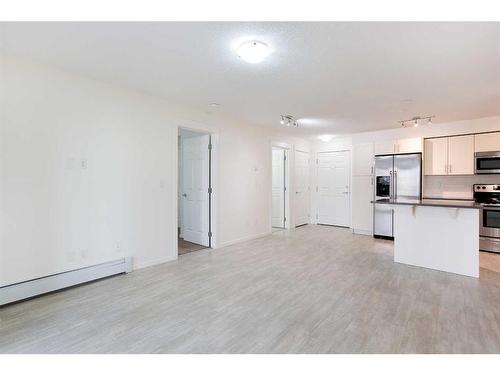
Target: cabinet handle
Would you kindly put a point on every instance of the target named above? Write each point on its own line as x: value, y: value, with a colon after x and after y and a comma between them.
x: 449, y: 168
x: 372, y: 169
x: 372, y: 181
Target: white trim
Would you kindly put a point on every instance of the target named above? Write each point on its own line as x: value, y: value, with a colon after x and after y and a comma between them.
x: 362, y: 232
x: 244, y: 239
x: 32, y: 288
x: 154, y: 262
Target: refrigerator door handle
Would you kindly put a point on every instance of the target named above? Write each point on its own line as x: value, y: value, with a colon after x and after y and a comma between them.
x: 391, y: 186
x: 395, y: 184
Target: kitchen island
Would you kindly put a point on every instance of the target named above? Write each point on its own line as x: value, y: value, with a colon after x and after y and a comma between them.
x: 437, y: 234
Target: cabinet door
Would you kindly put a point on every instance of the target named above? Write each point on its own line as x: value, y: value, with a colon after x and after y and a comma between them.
x: 409, y: 145
x: 487, y: 142
x: 362, y: 155
x: 461, y: 155
x: 385, y: 147
x: 362, y: 209
x: 435, y: 156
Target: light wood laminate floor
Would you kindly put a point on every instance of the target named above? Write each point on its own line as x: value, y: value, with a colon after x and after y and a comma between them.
x: 315, y: 290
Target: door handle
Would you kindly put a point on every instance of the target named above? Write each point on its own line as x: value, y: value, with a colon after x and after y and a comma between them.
x: 395, y: 184
x: 184, y: 195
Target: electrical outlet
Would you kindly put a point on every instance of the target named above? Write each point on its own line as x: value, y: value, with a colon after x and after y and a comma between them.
x: 83, y: 164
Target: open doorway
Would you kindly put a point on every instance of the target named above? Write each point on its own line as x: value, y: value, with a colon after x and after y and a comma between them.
x: 279, y: 188
x: 194, y: 191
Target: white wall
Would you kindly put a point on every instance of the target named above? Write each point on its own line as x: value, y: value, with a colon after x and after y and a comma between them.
x: 56, y: 215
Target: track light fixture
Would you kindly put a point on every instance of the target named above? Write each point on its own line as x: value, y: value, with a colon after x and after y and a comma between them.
x: 416, y: 121
x: 289, y: 120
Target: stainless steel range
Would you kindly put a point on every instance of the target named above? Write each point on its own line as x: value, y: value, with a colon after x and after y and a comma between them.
x: 489, y: 218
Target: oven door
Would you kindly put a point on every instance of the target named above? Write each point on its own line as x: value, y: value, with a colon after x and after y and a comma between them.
x: 487, y: 162
x: 490, y: 222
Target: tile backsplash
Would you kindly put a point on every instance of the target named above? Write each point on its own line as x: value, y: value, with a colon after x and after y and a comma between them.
x: 455, y: 187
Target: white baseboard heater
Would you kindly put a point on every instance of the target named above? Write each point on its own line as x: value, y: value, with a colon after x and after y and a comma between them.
x: 42, y: 285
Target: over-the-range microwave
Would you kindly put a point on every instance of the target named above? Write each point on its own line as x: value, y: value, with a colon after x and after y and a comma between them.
x: 487, y: 162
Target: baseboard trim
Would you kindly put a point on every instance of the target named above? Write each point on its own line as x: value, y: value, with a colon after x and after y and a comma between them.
x: 243, y: 239
x: 31, y: 288
x: 363, y: 232
x: 154, y: 262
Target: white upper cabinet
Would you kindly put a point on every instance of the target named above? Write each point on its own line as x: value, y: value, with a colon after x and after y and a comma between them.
x: 487, y: 142
x: 385, y: 147
x: 362, y: 159
x: 408, y: 145
x: 449, y: 155
x: 399, y: 146
x: 461, y: 155
x: 435, y: 156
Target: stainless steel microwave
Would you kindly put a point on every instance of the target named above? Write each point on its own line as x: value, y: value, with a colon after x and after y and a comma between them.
x: 487, y: 162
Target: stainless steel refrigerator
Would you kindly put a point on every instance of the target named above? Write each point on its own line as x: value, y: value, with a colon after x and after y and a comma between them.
x: 397, y: 177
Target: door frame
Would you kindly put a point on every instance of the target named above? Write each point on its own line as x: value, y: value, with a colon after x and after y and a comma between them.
x: 309, y: 170
x: 315, y: 190
x: 286, y: 147
x: 213, y: 169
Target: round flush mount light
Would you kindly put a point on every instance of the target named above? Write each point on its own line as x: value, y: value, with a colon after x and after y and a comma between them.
x: 326, y: 137
x: 254, y: 51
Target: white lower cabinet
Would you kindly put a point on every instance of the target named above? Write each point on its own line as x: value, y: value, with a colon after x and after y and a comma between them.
x: 362, y: 209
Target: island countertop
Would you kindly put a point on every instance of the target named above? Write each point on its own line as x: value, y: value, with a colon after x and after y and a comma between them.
x: 450, y: 203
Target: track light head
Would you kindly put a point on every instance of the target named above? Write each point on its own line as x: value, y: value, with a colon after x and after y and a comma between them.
x: 289, y: 120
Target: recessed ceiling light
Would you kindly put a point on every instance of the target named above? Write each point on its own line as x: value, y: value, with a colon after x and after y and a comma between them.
x: 253, y: 51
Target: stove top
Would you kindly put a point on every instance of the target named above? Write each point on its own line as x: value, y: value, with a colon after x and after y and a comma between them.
x: 487, y: 194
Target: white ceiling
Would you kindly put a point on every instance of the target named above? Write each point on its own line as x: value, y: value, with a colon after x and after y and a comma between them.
x: 338, y: 77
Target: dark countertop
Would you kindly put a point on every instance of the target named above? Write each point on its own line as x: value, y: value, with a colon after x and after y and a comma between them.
x: 431, y: 203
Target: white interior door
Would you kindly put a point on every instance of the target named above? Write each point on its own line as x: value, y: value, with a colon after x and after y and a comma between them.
x: 195, y: 180
x: 278, y: 188
x: 333, y: 188
x: 301, y: 180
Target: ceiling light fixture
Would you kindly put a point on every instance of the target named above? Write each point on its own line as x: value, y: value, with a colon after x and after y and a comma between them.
x: 254, y: 51
x: 416, y: 121
x: 289, y: 120
x: 326, y: 137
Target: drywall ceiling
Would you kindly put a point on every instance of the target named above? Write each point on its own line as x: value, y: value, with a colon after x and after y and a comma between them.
x: 335, y: 77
